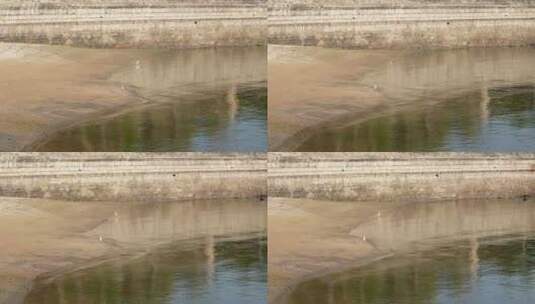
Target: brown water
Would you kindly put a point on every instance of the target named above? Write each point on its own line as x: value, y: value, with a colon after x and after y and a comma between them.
x: 457, y: 100
x: 183, y: 252
x: 192, y: 100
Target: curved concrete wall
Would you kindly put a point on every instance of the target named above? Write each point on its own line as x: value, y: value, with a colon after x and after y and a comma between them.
x: 146, y: 177
x: 400, y: 176
x: 402, y: 24
x: 124, y: 23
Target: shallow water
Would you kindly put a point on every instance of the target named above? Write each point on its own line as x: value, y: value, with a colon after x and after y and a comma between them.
x: 488, y: 270
x: 187, y: 100
x: 156, y: 223
x: 210, y: 271
x: 459, y: 100
x: 474, y: 251
x: 228, y: 121
x: 175, y: 252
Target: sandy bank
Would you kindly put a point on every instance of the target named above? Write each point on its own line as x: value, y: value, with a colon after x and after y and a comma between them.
x: 45, y: 89
x: 50, y: 237
x: 40, y: 236
x: 311, y: 86
x: 309, y: 239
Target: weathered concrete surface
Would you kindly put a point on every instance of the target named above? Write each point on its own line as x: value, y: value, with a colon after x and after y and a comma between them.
x: 312, y: 238
x: 402, y: 23
x: 145, y: 177
x: 400, y: 176
x: 126, y: 23
x: 44, y: 237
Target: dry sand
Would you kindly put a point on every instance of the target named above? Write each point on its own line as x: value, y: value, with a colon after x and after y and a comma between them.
x: 39, y: 236
x: 45, y: 88
x: 307, y: 237
x: 43, y: 238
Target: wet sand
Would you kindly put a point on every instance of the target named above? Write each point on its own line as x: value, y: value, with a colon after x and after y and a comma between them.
x: 311, y: 86
x: 45, y: 237
x: 309, y: 239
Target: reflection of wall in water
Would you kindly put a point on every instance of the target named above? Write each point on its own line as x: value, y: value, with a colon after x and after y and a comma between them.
x: 418, y: 130
x: 436, y: 75
x: 189, y: 70
x: 430, y: 127
x: 124, y: 23
x: 438, y: 101
x: 432, y: 221
x: 444, y: 274
x: 173, y: 126
x: 184, y: 220
x: 181, y: 271
x: 513, y: 100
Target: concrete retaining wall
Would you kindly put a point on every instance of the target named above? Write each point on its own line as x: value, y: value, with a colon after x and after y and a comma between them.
x: 400, y: 176
x: 402, y: 24
x: 124, y: 23
x: 132, y: 176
